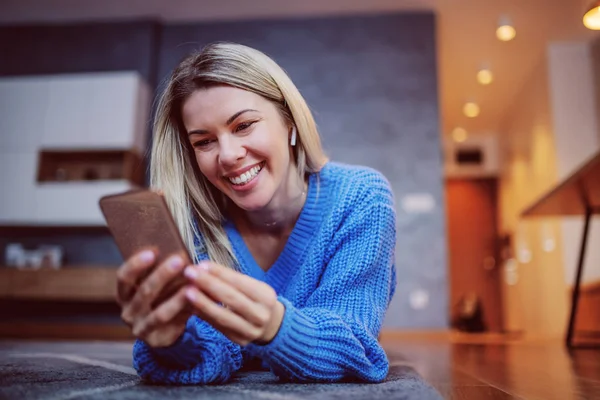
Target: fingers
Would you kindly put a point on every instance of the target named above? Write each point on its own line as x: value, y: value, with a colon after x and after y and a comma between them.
x: 229, y: 323
x: 251, y: 311
x: 151, y: 287
x: 225, y: 293
x: 130, y: 273
x: 169, y: 311
x: 254, y: 289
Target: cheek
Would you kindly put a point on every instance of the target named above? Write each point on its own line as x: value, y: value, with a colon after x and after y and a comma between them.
x: 270, y: 145
x: 207, y: 166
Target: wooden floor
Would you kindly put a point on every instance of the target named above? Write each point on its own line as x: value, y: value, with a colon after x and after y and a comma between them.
x: 491, y: 368
x: 423, y: 367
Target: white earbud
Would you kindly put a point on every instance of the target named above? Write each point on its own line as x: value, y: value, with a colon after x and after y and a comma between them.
x: 293, y: 139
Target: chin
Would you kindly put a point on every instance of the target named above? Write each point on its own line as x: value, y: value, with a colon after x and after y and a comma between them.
x: 254, y: 202
x: 250, y: 205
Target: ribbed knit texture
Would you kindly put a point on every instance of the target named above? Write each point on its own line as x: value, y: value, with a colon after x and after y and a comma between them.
x: 335, y: 277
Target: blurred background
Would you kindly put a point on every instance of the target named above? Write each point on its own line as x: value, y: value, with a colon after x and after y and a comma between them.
x: 482, y: 114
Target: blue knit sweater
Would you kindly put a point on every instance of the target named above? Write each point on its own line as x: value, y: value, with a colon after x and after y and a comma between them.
x: 335, y: 277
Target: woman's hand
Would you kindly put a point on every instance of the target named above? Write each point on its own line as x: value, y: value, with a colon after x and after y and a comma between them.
x: 242, y: 308
x: 160, y: 326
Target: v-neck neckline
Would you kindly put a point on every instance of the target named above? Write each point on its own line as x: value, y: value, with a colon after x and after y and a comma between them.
x: 294, y: 249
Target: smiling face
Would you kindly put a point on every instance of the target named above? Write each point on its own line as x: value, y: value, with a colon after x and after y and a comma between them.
x: 241, y: 145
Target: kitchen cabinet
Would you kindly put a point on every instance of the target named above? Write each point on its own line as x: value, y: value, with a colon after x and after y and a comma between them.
x: 90, y: 119
x: 23, y: 107
x: 96, y: 111
x: 18, y: 187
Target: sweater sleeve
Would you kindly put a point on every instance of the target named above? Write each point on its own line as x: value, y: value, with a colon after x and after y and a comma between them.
x: 333, y: 336
x: 202, y: 355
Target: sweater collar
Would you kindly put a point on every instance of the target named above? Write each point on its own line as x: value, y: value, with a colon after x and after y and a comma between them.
x: 294, y: 251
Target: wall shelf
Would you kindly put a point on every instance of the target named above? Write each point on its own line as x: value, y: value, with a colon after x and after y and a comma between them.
x: 90, y: 166
x: 64, y: 331
x: 73, y: 283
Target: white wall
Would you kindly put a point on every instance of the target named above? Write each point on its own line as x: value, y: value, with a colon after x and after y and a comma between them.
x: 577, y: 138
x: 534, y: 291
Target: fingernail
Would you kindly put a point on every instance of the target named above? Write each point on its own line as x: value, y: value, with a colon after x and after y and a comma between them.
x: 191, y: 273
x: 146, y: 256
x: 190, y: 294
x: 204, y: 265
x: 175, y: 263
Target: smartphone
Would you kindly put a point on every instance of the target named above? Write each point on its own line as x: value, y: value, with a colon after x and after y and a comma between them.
x: 140, y: 220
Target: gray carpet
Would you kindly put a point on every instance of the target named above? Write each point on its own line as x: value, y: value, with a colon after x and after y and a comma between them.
x: 96, y: 370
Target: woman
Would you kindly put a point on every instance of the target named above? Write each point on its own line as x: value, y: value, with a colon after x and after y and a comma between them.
x: 294, y: 254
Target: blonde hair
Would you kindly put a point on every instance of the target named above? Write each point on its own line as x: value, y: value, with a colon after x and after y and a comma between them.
x: 173, y: 168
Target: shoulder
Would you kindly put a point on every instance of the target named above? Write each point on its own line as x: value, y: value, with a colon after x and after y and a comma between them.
x: 350, y: 195
x: 356, y: 185
x: 361, y: 217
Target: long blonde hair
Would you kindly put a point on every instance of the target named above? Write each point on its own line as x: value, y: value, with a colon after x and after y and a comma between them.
x: 173, y: 168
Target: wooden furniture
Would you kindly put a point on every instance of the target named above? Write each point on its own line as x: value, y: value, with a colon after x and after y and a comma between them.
x: 54, y: 302
x: 74, y: 284
x: 579, y: 194
x: 90, y: 165
x: 64, y: 331
x: 587, y: 324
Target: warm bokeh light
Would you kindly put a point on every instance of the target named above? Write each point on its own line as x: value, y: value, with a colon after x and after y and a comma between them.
x: 591, y: 19
x: 506, y: 33
x: 505, y: 30
x: 485, y: 76
x: 459, y: 134
x: 471, y: 109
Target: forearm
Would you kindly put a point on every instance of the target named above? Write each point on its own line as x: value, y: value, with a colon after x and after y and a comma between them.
x: 318, y: 345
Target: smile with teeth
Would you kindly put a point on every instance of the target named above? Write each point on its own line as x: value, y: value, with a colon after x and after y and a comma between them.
x: 247, y: 176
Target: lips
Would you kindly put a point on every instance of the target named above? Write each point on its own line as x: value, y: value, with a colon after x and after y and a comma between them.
x: 247, y: 176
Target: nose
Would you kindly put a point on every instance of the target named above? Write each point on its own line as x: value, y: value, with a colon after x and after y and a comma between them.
x: 230, y: 151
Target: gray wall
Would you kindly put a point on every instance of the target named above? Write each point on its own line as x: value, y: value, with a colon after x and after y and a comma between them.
x: 372, y: 84
x: 56, y: 49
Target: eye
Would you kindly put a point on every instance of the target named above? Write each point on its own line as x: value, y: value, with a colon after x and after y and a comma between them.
x: 202, y: 143
x: 244, y: 126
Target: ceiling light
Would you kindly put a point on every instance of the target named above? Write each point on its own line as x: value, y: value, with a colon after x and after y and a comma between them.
x: 505, y: 30
x: 591, y: 19
x: 459, y: 134
x: 485, y: 76
x: 471, y: 109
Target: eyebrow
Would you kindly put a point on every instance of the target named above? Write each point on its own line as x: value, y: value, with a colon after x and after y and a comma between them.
x: 229, y: 121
